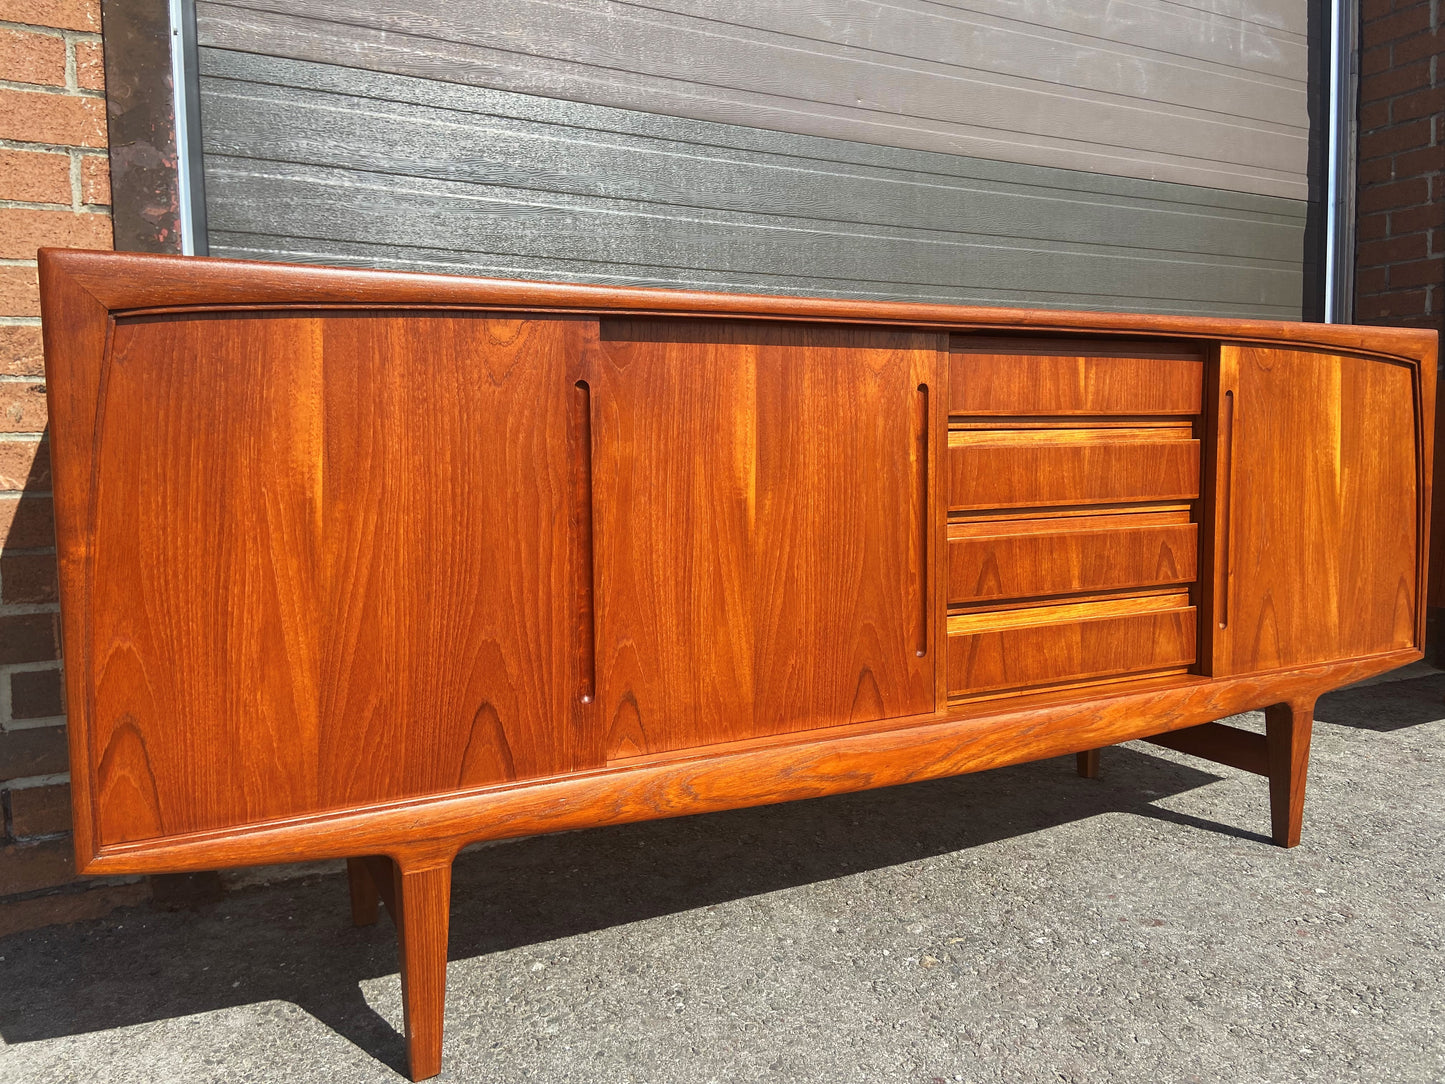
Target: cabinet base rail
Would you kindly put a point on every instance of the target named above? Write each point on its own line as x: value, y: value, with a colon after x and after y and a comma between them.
x: 416, y: 888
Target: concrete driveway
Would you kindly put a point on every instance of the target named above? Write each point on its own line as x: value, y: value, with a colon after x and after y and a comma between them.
x: 1018, y: 925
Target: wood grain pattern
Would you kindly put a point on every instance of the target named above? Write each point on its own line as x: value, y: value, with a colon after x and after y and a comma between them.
x: 336, y: 552
x: 85, y: 286
x: 127, y: 282
x: 81, y: 288
x: 1319, y: 526
x: 1003, y: 469
x: 1435, y: 593
x: 365, y: 898
x: 1288, y: 728
x: 1033, y: 376
x: 388, y: 573
x: 780, y: 768
x: 1047, y: 644
x: 1069, y: 555
x: 983, y: 521
x: 422, y: 912
x: 76, y: 330
x: 732, y: 607
x: 451, y: 645
x: 1242, y: 749
x: 204, y: 579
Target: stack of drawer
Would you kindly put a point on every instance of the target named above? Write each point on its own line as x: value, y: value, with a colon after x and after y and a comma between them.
x: 1073, y: 526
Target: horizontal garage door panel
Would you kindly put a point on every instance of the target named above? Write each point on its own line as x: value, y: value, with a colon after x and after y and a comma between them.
x: 1166, y: 92
x: 325, y: 163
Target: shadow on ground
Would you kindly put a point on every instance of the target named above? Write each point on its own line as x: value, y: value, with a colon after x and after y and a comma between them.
x: 293, y: 941
x: 1386, y: 707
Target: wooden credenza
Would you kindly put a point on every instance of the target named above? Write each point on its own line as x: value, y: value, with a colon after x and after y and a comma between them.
x: 373, y: 566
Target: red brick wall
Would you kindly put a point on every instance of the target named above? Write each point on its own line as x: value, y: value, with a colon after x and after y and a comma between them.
x: 1400, y: 228
x: 54, y: 190
x: 1400, y: 264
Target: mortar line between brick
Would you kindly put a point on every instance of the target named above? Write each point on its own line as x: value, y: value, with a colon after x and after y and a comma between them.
x: 28, y: 667
x: 33, y: 28
x: 53, y: 148
x: 16, y: 726
x: 28, y: 609
x: 30, y: 205
x: 74, y: 181
x: 41, y: 88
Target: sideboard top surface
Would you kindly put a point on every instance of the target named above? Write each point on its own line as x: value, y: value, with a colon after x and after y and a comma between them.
x: 124, y: 283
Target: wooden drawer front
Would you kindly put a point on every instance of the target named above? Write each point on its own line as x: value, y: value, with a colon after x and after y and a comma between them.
x: 1064, y: 379
x: 1059, y: 557
x: 1047, y: 645
x: 1040, y: 468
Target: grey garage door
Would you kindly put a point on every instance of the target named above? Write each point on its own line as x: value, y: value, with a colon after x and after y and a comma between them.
x: 1140, y: 155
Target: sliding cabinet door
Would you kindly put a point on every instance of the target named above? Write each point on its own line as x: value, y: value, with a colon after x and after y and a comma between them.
x: 332, y: 559
x: 762, y: 529
x: 1318, y: 509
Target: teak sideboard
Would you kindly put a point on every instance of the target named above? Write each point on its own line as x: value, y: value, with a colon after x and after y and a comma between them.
x: 371, y: 566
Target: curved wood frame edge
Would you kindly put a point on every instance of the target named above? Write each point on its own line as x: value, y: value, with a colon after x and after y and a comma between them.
x: 1423, y: 377
x: 179, y: 283
x: 431, y: 830
x: 76, y: 328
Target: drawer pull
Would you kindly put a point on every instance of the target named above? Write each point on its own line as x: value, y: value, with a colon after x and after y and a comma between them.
x: 1020, y: 469
x: 991, y: 377
x: 1033, y: 558
x: 1049, y: 645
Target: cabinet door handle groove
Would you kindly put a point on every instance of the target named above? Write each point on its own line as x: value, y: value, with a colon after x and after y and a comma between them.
x: 586, y: 562
x: 1226, y: 476
x: 924, y: 518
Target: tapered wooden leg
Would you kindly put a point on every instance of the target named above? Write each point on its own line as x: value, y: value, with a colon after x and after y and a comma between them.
x: 365, y: 900
x: 423, y: 899
x: 1088, y: 764
x: 1287, y: 734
